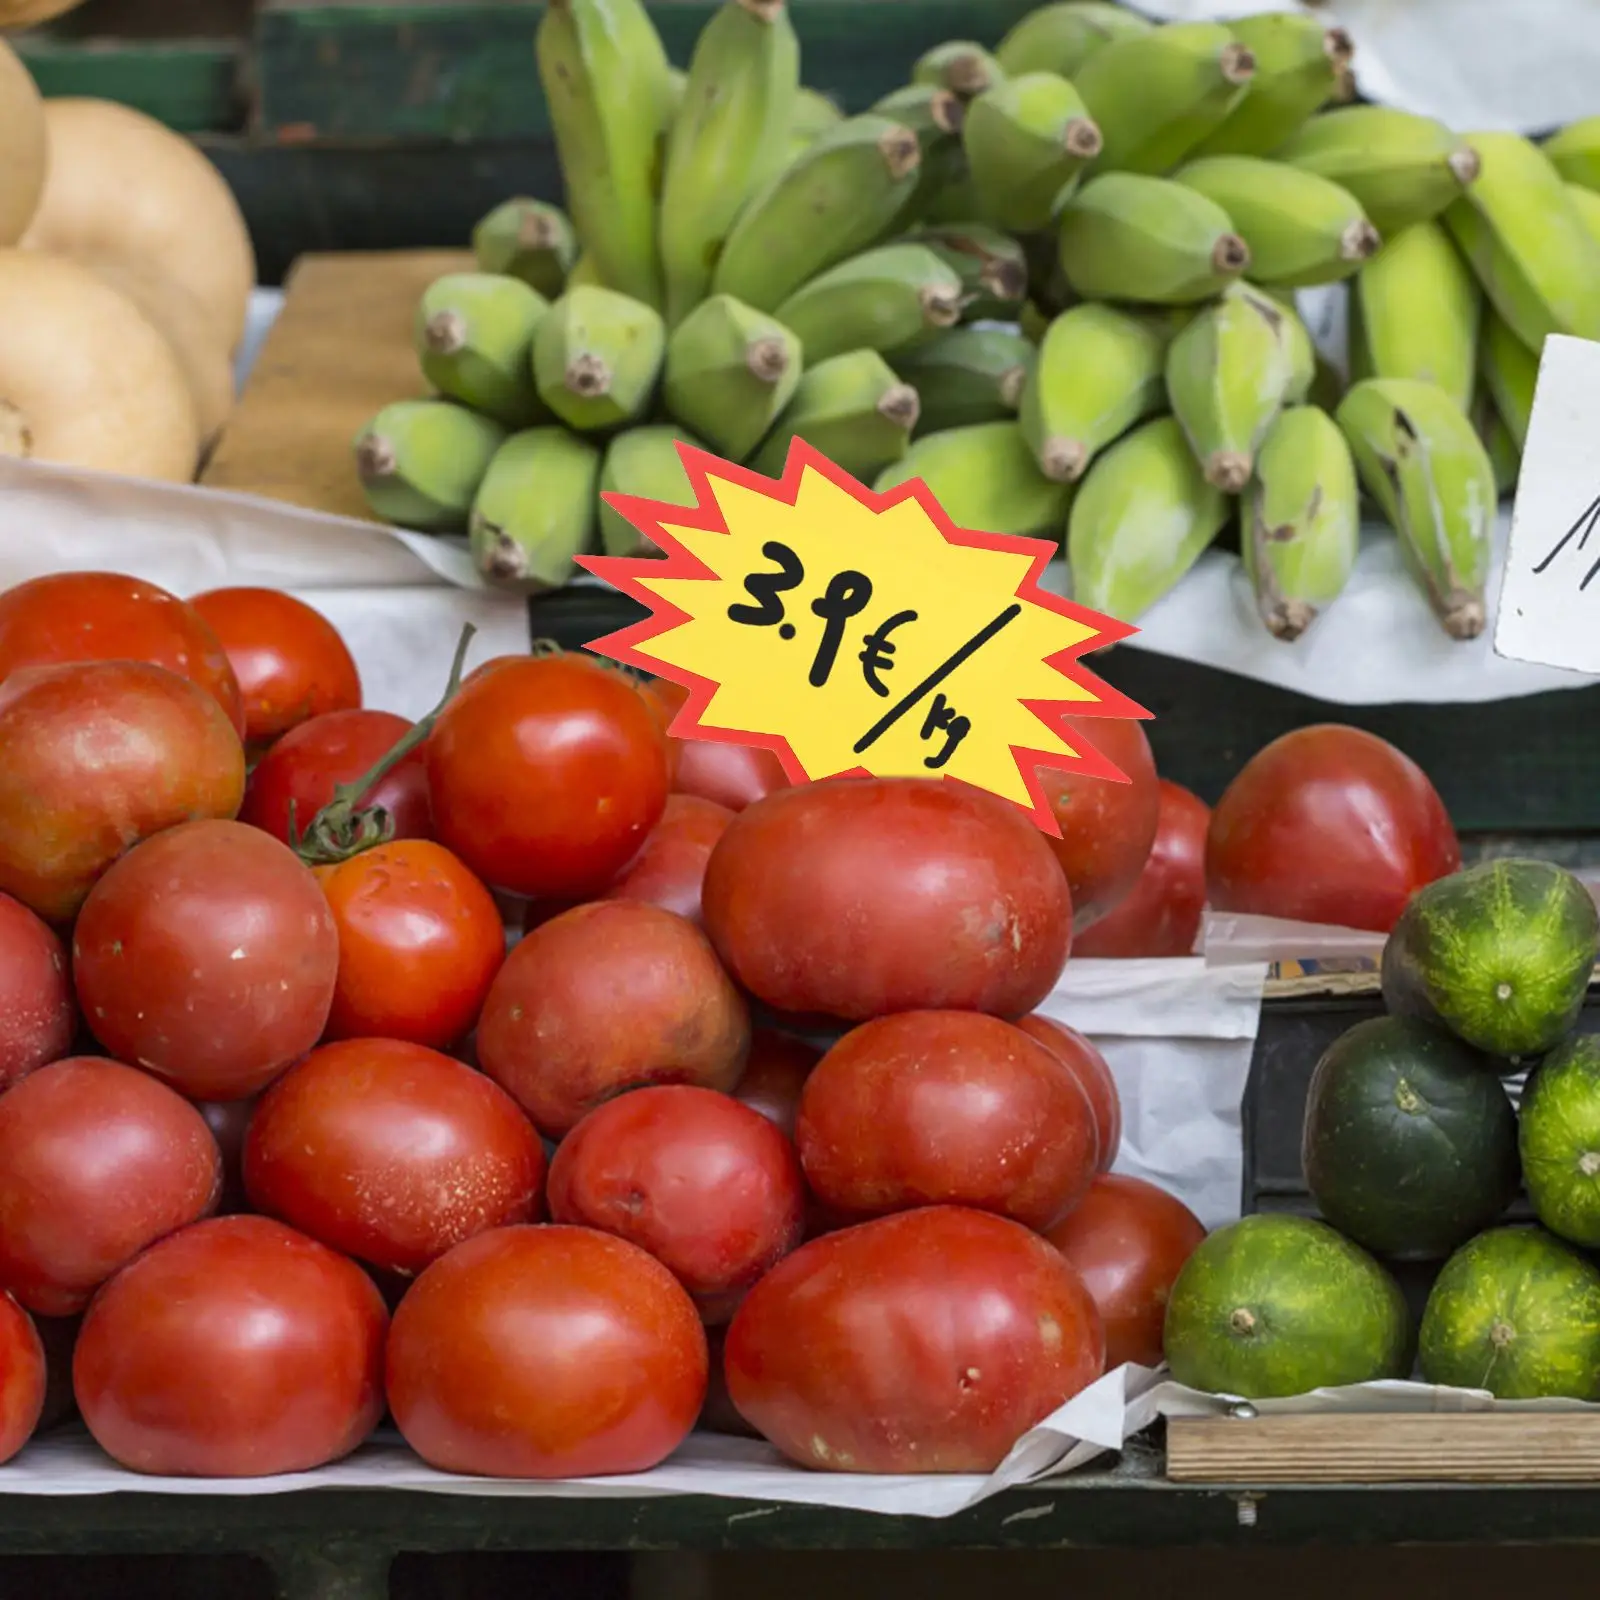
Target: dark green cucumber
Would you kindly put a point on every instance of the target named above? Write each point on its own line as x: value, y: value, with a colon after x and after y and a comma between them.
x: 1410, y: 1143
x: 1515, y: 1312
x: 1560, y: 1137
x: 1279, y: 1305
x: 1500, y: 954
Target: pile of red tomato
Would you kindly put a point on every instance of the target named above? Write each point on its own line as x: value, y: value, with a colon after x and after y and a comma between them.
x: 279, y: 1107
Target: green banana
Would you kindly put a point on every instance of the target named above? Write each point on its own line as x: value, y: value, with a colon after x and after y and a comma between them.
x: 607, y: 86
x: 420, y: 463
x: 1420, y: 458
x: 1510, y: 374
x: 1301, y: 230
x: 984, y: 477
x: 644, y: 462
x: 730, y: 138
x: 1298, y: 66
x: 730, y: 371
x: 1060, y: 38
x: 1299, y: 349
x: 1575, y: 150
x: 1227, y: 373
x: 838, y: 197
x: 596, y: 357
x: 1100, y: 370
x: 953, y: 198
x: 1586, y: 202
x: 585, y: 273
x: 1128, y: 237
x: 1027, y: 140
x: 1156, y: 95
x: 535, y: 509
x: 474, y: 340
x: 1402, y: 168
x: 1527, y: 242
x: 853, y: 409
x: 968, y: 375
x: 1505, y: 455
x: 1418, y: 309
x: 885, y: 299
x: 527, y: 239
x: 1142, y: 518
x: 962, y: 67
x: 992, y: 266
x: 1302, y: 526
x: 814, y: 114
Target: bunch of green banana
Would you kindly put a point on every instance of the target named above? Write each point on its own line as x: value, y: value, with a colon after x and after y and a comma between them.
x: 1505, y: 456
x: 1301, y: 525
x: 814, y: 115
x: 474, y: 341
x: 730, y: 371
x: 1527, y: 243
x: 968, y: 375
x: 840, y: 195
x: 1401, y: 168
x: 1586, y: 202
x: 729, y: 139
x: 1059, y: 38
x: 1227, y: 373
x: 608, y: 88
x: 1128, y: 237
x: 960, y: 65
x: 884, y: 299
x: 1027, y: 139
x: 643, y: 462
x: 1421, y: 459
x: 1143, y: 516
x: 1415, y: 312
x: 1100, y: 370
x: 1510, y: 374
x: 1575, y: 150
x: 527, y: 239
x: 1301, y: 230
x: 853, y: 409
x: 536, y: 509
x: 1299, y: 64
x: 1156, y: 95
x: 420, y: 463
x: 596, y: 357
x: 986, y: 479
x: 992, y: 266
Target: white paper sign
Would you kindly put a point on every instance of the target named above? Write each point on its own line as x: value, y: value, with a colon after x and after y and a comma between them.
x: 1550, y: 595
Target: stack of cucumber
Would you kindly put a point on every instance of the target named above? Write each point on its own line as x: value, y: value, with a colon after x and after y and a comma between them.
x: 1413, y: 1151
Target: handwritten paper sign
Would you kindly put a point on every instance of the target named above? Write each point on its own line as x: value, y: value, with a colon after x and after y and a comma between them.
x: 858, y: 633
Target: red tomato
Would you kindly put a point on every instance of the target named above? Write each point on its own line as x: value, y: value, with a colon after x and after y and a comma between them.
x: 290, y: 661
x: 546, y: 1353
x: 23, y: 1378
x: 1162, y: 915
x: 94, y: 758
x: 420, y: 940
x: 670, y: 869
x: 607, y: 997
x: 37, y: 1014
x: 310, y: 760
x: 1107, y: 828
x: 547, y: 774
x: 1089, y: 1067
x: 237, y: 1348
x: 775, y: 1074
x: 709, y: 1187
x: 1129, y: 1240
x: 229, y: 1122
x: 107, y: 616
x: 925, y: 1342
x: 97, y: 1162
x: 1328, y: 824
x: 391, y: 1153
x: 945, y: 1108
x: 729, y: 775
x: 864, y: 896
x: 207, y: 956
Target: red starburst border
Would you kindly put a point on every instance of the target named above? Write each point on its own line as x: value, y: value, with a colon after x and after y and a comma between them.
x: 650, y: 517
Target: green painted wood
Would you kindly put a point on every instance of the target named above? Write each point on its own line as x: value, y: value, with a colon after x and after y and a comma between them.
x: 466, y: 71
x: 189, y: 84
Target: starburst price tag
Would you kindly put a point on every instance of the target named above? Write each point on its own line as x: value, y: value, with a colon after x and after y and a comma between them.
x: 860, y: 633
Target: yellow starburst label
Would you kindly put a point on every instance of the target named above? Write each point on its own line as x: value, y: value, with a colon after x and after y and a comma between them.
x: 856, y: 633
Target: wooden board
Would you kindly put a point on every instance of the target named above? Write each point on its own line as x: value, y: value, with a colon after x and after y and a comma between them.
x: 1470, y: 1447
x: 340, y: 350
